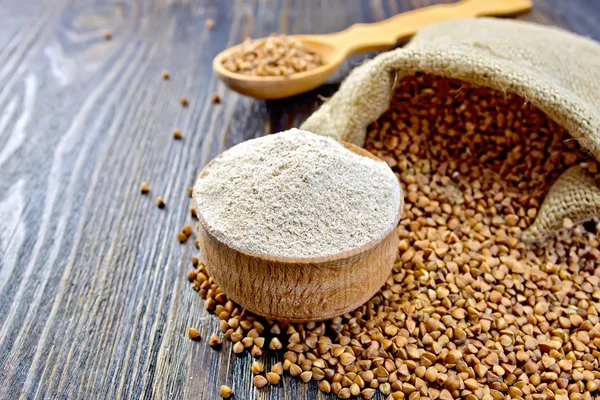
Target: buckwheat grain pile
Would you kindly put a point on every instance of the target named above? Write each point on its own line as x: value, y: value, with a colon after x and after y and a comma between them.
x: 469, y: 312
x: 277, y: 55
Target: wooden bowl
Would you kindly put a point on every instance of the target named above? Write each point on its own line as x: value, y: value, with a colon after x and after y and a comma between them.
x: 300, y: 289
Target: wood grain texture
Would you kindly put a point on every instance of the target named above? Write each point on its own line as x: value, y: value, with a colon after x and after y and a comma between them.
x: 93, y: 297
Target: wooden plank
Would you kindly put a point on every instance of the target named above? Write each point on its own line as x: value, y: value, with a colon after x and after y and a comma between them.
x: 93, y: 297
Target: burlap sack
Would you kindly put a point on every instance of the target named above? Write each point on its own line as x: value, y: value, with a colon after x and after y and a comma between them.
x: 555, y: 70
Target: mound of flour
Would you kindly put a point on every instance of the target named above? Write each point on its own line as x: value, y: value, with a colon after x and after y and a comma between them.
x: 297, y: 194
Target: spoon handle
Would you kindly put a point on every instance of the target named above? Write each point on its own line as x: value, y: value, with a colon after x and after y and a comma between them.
x: 384, y: 34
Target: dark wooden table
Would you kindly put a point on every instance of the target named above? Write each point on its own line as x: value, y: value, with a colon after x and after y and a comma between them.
x: 94, y: 303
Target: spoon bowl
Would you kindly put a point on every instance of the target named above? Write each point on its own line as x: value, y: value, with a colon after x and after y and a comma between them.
x: 278, y: 87
x: 335, y: 47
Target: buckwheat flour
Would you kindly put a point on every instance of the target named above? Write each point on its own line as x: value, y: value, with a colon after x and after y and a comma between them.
x: 297, y: 194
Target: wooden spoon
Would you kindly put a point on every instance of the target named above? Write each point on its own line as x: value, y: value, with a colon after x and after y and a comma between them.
x: 300, y: 289
x: 335, y: 47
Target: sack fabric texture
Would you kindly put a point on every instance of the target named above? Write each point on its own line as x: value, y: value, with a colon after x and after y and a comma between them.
x: 555, y: 70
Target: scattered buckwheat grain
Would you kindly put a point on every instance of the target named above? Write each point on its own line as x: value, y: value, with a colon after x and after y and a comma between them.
x: 182, y: 237
x: 214, y: 341
x: 259, y: 381
x: 225, y: 391
x: 257, y: 367
x: 273, y: 378
x: 192, y: 275
x: 194, y: 334
x: 277, y: 368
